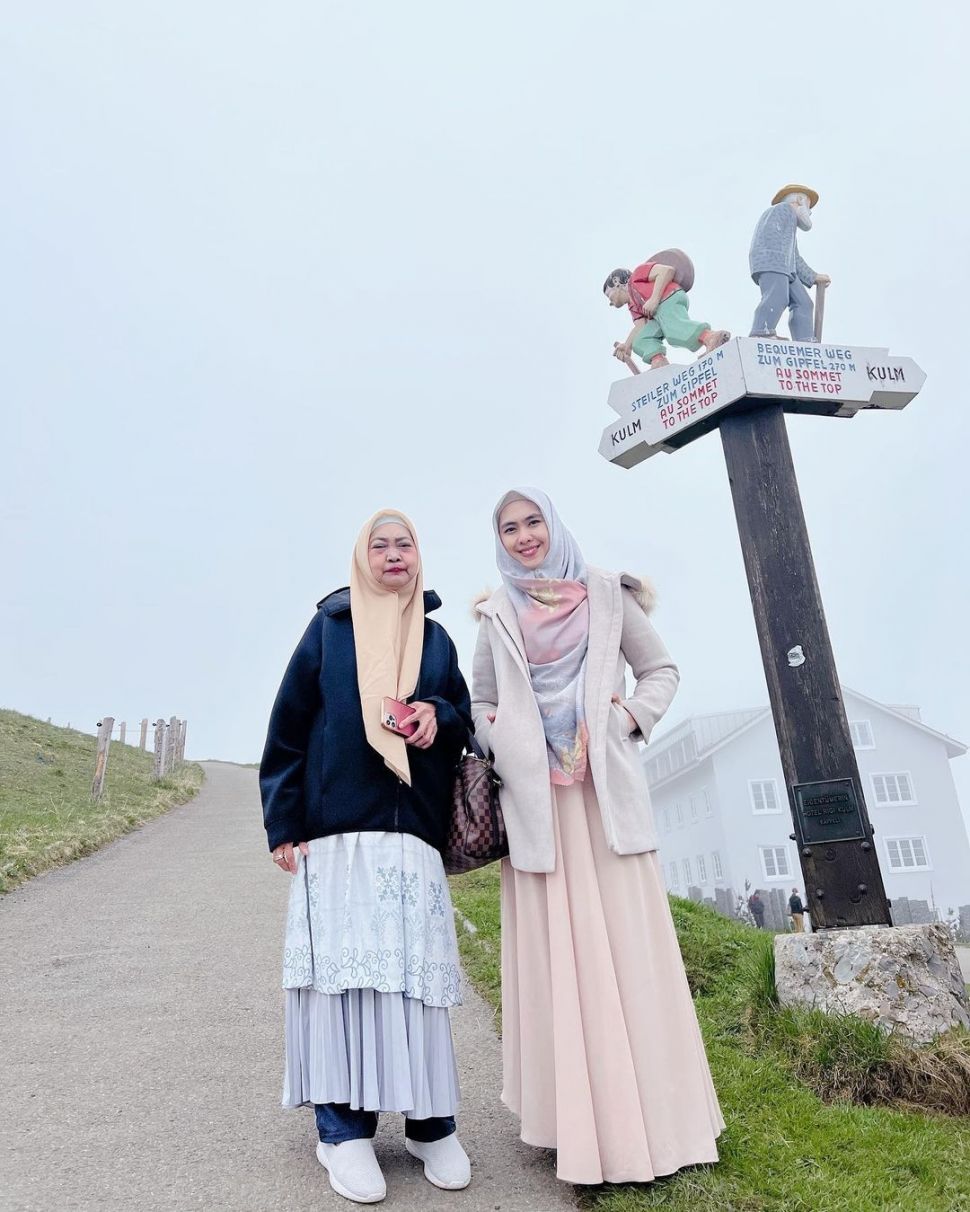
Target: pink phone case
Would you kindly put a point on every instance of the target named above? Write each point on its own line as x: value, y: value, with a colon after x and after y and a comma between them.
x: 393, y: 716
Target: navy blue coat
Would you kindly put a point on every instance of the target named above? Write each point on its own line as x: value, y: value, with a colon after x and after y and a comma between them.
x: 319, y: 776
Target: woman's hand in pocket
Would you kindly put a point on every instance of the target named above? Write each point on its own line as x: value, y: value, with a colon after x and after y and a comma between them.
x: 630, y: 716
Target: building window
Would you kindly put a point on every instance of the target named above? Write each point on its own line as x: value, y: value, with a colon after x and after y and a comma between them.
x: 774, y: 862
x: 701, y: 870
x: 666, y: 816
x: 716, y: 865
x: 764, y: 796
x: 708, y: 808
x: 890, y: 789
x: 861, y: 733
x: 688, y: 879
x: 663, y: 765
x: 673, y: 878
x: 679, y: 809
x: 907, y: 854
x: 693, y: 810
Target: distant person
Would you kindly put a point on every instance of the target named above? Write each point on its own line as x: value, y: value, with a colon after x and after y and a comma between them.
x: 357, y: 813
x: 757, y: 907
x: 602, y: 1057
x: 797, y: 911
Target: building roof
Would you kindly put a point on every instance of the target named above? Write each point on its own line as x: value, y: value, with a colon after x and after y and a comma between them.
x: 695, y: 739
x: 911, y: 715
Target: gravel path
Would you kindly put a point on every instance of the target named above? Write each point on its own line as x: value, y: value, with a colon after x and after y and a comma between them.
x: 141, y: 1041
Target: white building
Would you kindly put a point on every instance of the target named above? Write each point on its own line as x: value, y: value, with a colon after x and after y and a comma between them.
x: 723, y: 818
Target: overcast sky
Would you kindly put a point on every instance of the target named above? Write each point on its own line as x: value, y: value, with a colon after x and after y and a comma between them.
x: 266, y: 268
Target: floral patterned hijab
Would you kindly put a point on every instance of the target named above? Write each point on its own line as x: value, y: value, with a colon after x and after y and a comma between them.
x: 553, y: 612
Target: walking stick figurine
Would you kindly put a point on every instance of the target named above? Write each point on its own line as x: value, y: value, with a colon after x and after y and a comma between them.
x: 625, y: 357
x: 820, y: 288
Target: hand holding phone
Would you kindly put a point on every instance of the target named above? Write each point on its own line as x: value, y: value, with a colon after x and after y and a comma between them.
x: 394, y: 715
x: 416, y: 722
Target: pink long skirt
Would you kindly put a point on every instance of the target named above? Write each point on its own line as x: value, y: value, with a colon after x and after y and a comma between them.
x: 602, y: 1055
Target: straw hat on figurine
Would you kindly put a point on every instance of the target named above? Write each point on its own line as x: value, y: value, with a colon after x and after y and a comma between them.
x: 785, y: 190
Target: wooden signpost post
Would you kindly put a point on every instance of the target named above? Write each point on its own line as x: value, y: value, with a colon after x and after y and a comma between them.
x: 744, y: 389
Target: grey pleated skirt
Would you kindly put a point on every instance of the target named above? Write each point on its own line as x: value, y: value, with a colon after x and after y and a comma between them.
x: 374, y: 1051
x: 370, y: 972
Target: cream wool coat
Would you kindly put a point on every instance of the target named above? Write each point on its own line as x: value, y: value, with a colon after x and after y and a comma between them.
x: 619, y: 635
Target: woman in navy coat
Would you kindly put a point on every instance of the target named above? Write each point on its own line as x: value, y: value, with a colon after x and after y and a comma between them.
x: 358, y: 815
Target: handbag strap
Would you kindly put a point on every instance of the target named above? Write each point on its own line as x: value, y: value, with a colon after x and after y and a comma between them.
x: 472, y: 745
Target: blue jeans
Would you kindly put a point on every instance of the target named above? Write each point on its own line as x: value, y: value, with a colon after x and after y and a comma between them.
x: 778, y: 291
x: 339, y: 1122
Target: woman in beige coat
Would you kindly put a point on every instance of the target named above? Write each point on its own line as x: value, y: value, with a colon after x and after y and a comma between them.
x: 602, y: 1056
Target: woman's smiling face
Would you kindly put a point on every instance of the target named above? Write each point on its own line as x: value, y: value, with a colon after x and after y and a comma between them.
x: 524, y: 533
x: 392, y: 556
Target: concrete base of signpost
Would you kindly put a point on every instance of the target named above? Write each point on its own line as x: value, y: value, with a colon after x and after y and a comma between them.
x: 906, y: 979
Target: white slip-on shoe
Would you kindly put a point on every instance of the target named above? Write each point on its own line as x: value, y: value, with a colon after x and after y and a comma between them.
x: 354, y: 1171
x: 446, y: 1163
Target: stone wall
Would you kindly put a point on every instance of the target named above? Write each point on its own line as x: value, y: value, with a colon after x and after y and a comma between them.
x: 725, y: 902
x: 906, y: 912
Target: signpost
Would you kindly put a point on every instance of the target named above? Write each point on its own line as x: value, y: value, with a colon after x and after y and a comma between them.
x: 744, y: 389
x: 667, y: 409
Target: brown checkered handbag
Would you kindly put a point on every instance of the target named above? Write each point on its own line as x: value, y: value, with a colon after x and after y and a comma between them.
x: 476, y: 832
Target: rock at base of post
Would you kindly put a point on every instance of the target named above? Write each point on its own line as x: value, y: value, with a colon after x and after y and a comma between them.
x: 905, y: 979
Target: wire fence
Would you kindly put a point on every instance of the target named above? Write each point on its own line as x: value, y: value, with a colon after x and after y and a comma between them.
x: 169, y: 747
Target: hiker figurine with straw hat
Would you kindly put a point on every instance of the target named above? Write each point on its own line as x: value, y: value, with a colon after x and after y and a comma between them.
x: 656, y: 294
x: 780, y: 271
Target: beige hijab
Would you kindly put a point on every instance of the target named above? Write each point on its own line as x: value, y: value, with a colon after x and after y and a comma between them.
x: 389, y: 638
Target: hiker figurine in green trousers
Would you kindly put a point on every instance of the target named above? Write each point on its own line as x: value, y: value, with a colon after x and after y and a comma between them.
x: 656, y: 294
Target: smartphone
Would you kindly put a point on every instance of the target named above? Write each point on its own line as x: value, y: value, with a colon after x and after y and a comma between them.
x: 394, y: 715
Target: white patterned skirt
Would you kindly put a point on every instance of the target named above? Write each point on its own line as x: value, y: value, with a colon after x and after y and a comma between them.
x: 370, y: 970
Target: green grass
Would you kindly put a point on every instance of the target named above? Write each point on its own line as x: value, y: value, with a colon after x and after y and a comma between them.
x: 847, y: 1059
x: 788, y: 1146
x: 476, y: 898
x: 47, y: 816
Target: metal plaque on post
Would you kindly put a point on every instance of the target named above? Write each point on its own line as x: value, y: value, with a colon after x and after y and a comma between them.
x: 828, y: 811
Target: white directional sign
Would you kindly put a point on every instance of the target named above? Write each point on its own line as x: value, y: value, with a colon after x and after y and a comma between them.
x: 665, y: 409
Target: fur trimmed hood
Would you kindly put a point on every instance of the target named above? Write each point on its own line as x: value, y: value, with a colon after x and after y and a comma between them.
x: 642, y: 589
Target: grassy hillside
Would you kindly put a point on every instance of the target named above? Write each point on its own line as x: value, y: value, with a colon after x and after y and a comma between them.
x: 819, y: 1110
x: 47, y: 816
